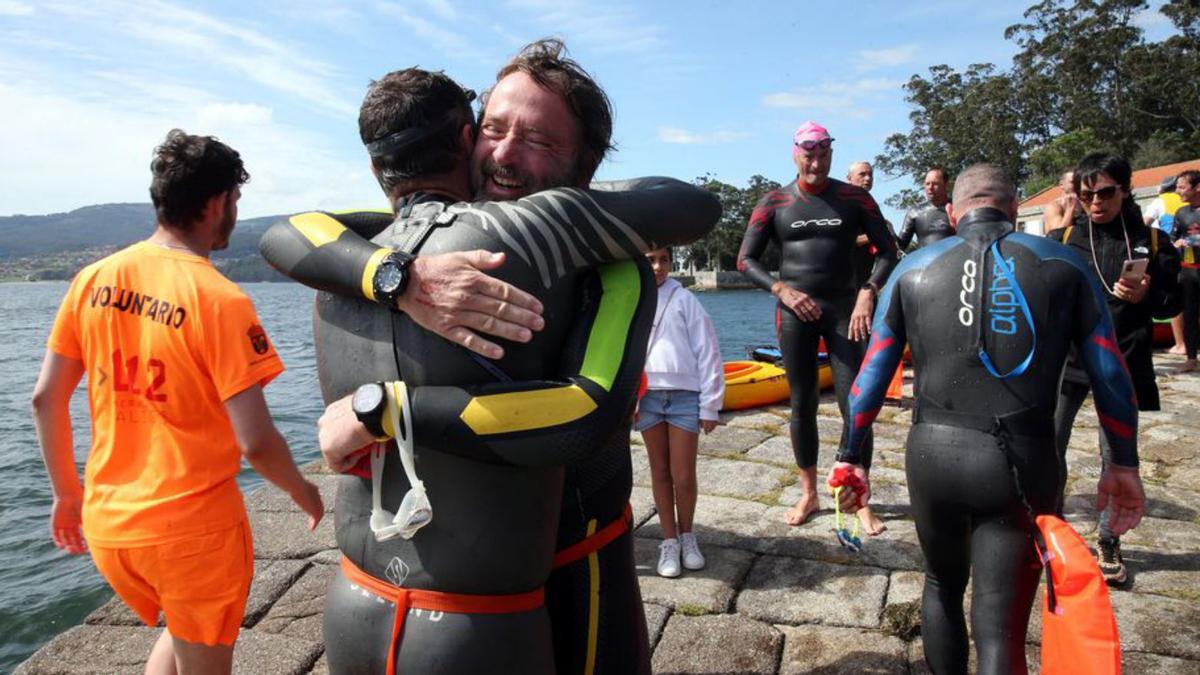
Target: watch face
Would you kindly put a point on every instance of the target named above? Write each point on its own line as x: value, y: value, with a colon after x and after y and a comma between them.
x: 388, y: 277
x: 367, y: 398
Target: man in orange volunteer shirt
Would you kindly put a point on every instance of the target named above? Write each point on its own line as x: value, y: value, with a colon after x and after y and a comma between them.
x: 176, y: 361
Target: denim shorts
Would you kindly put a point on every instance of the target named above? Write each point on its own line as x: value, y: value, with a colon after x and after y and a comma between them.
x: 677, y: 407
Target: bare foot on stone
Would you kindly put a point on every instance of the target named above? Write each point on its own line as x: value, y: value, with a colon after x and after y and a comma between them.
x: 1178, y: 350
x: 800, y: 513
x: 871, y: 522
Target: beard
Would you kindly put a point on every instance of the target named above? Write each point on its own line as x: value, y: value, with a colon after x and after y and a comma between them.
x: 528, y: 183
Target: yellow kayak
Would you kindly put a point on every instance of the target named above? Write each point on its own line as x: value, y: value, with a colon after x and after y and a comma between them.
x: 750, y: 384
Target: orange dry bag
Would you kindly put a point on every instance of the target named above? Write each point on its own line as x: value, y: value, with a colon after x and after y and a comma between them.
x: 1079, y: 630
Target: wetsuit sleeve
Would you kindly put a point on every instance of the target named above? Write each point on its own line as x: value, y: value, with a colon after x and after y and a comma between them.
x: 759, y: 232
x: 907, y: 229
x: 328, y: 251
x: 553, y: 421
x: 1112, y: 387
x: 570, y: 228
x: 884, y: 351
x: 876, y: 229
x: 1165, y: 296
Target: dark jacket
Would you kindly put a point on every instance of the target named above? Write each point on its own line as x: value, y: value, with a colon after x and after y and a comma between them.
x: 1133, y: 322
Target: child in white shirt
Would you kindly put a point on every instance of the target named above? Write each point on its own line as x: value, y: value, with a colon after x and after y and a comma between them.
x: 685, y: 386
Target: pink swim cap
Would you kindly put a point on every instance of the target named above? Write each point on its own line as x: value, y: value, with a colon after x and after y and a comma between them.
x: 810, y: 131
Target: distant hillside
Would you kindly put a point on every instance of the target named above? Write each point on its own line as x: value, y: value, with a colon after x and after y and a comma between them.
x: 56, y: 246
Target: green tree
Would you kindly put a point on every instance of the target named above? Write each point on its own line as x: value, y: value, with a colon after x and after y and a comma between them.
x: 718, y: 250
x: 1046, y: 163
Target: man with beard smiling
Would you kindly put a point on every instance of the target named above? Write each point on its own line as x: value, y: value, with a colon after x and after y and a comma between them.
x: 532, y: 135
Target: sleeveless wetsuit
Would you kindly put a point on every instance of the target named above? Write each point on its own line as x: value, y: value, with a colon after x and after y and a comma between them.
x: 930, y: 224
x: 492, y: 437
x: 972, y: 428
x: 815, y: 232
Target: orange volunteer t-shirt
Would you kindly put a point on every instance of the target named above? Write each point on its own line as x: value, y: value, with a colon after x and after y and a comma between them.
x: 165, y: 339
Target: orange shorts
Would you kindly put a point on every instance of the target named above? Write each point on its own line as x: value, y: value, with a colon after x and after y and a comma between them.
x: 199, y: 584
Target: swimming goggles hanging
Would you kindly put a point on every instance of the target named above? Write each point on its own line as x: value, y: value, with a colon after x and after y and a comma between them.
x: 415, y: 510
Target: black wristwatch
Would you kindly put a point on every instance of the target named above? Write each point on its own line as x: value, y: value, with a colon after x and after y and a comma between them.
x: 391, y: 278
x: 369, y: 403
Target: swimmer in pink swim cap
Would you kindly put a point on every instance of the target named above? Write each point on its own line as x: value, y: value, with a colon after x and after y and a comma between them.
x: 812, y: 151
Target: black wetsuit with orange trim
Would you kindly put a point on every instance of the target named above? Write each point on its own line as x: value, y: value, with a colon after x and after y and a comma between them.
x: 816, y: 231
x: 492, y: 438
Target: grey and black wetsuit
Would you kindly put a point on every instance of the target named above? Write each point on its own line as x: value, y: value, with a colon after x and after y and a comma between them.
x: 493, y: 437
x: 988, y: 351
x: 816, y: 233
x: 929, y: 223
x: 1188, y: 218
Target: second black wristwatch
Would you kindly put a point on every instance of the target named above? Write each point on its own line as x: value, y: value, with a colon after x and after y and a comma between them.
x: 391, y: 278
x: 369, y: 403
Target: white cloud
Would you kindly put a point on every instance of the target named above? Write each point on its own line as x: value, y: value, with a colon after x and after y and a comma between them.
x: 678, y: 136
x: 1150, y: 19
x: 13, y: 8
x: 603, y: 27
x: 233, y: 114
x: 874, y: 59
x: 444, y: 34
x: 852, y: 99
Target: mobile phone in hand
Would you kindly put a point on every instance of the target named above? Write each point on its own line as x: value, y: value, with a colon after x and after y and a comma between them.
x: 1132, y: 271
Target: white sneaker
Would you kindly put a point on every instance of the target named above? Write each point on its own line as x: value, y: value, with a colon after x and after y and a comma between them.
x: 668, y: 558
x: 692, y: 558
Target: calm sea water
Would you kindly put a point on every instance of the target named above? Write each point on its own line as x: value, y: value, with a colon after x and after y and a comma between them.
x: 44, y: 591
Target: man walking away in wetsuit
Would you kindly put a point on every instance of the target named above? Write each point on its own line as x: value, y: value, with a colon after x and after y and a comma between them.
x: 980, y: 455
x: 929, y: 222
x: 176, y: 360
x: 1108, y: 232
x: 862, y: 175
x: 815, y: 221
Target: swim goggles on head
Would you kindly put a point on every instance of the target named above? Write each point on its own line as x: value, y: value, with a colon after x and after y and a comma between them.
x: 415, y: 510
x: 809, y: 146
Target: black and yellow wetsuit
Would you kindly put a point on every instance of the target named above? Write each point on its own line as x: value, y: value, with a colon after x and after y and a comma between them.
x: 492, y: 438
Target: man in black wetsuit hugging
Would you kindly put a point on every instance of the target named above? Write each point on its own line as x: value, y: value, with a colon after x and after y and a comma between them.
x: 981, y: 455
x: 815, y: 221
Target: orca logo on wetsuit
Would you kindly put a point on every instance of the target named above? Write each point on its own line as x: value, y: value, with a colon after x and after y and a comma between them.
x: 966, y: 315
x: 817, y: 222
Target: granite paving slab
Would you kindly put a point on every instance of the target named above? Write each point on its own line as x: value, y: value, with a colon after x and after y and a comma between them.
x: 763, y: 420
x: 656, y: 620
x: 743, y: 480
x: 270, y: 498
x: 1151, y: 623
x: 279, y: 534
x: 298, y: 612
x: 774, y: 450
x: 709, y: 590
x: 641, y: 499
x: 794, y: 591
x: 721, y: 521
x: 119, y: 650
x: 728, y: 439
x: 717, y: 644
x: 896, y: 548
x: 824, y: 649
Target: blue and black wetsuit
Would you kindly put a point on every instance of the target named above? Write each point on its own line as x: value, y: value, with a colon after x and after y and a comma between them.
x: 1187, y: 227
x: 929, y: 223
x: 815, y: 229
x: 987, y: 384
x: 522, y: 457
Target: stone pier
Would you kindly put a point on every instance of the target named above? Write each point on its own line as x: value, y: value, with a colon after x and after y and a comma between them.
x: 773, y: 598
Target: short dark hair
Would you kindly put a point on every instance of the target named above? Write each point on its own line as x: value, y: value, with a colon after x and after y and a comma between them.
x: 188, y: 171
x: 939, y: 170
x: 411, y: 121
x: 547, y: 63
x: 1192, y: 176
x: 1097, y: 163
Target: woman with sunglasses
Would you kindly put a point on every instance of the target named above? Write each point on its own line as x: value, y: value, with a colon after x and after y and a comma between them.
x: 815, y: 221
x: 1107, y: 232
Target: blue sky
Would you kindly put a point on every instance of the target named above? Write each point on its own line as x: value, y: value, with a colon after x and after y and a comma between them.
x: 88, y: 89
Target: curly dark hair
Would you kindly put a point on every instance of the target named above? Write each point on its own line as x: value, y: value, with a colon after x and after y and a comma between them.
x: 411, y: 121
x: 188, y: 171
x: 547, y: 63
